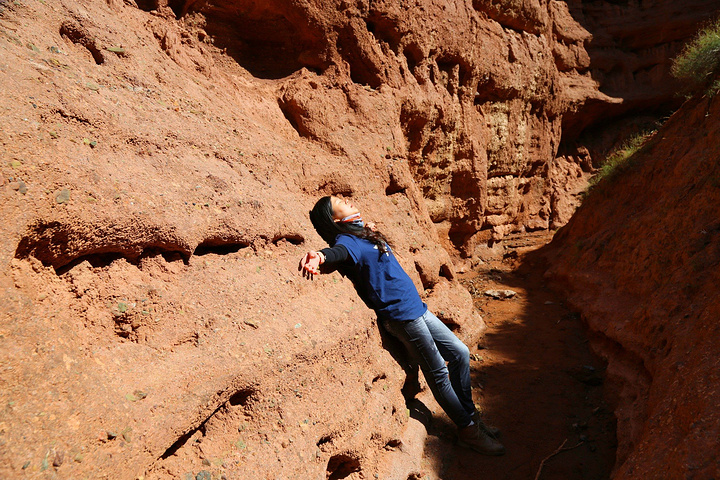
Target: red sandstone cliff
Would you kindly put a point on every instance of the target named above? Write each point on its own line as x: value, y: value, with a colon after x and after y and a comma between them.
x: 158, y: 161
x: 640, y: 260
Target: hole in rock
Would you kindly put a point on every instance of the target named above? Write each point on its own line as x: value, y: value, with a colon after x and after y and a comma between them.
x: 241, y: 397
x: 97, y: 260
x: 363, y: 67
x: 177, y: 6
x: 324, y: 440
x: 413, y: 55
x: 294, y: 115
x: 168, y: 255
x: 446, y: 272
x: 294, y: 238
x: 464, y: 184
x: 394, y: 443
x: 341, y: 466
x: 394, y: 187
x: 78, y: 35
x: 219, y: 247
x: 261, y: 36
x: 459, y: 234
x: 64, y: 247
x: 384, y: 29
x: 146, y: 5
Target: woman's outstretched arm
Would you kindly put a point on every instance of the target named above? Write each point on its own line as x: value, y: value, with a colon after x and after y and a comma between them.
x: 311, y: 261
x: 310, y: 264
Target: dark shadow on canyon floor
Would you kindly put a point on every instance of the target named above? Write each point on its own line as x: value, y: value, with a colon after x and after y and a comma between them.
x: 536, y: 379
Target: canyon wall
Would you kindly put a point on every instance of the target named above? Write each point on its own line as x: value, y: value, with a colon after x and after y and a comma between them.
x: 640, y: 260
x: 159, y: 159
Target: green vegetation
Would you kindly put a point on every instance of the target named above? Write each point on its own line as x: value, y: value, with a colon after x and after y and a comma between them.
x: 621, y: 158
x: 698, y: 65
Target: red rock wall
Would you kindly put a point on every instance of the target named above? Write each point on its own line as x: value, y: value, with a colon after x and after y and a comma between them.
x: 640, y: 261
x: 159, y: 159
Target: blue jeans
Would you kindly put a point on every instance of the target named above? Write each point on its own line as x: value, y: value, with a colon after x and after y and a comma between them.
x: 430, y: 343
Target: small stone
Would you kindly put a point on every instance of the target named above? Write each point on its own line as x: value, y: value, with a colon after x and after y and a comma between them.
x: 111, y: 435
x: 54, y: 49
x: 139, y: 394
x: 27, y: 464
x: 500, y: 294
x: 16, y: 164
x: 63, y: 196
x: 78, y: 458
x: 118, y: 50
x: 206, y: 462
x: 203, y: 475
x: 59, y: 458
x: 126, y: 434
x: 22, y: 188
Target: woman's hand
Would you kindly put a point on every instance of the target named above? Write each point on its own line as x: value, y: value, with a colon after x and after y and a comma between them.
x: 310, y: 265
x: 371, y: 226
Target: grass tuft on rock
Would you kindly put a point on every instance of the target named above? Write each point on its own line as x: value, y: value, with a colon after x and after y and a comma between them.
x: 620, y: 159
x: 698, y: 65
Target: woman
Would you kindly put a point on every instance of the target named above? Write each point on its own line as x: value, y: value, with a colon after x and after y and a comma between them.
x: 362, y: 253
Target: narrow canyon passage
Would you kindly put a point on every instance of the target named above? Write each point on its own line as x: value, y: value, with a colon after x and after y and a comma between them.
x: 534, y: 377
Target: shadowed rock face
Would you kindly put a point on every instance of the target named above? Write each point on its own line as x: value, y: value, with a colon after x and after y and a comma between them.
x: 640, y: 261
x: 630, y: 54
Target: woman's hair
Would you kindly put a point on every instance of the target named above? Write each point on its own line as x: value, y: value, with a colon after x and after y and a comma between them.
x: 322, y: 219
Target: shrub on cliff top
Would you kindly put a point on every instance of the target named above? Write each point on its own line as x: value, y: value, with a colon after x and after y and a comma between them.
x: 698, y: 65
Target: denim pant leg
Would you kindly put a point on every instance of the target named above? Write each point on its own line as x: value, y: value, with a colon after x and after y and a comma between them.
x: 457, y: 354
x: 417, y: 335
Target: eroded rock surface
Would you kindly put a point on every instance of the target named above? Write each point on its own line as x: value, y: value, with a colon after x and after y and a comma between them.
x: 159, y: 159
x: 640, y: 260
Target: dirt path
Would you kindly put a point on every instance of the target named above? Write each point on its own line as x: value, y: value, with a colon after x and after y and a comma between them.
x: 534, y: 378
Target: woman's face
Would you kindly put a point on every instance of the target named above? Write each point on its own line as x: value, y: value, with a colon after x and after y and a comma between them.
x: 342, y: 208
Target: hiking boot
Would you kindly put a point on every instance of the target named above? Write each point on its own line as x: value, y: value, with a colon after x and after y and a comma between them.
x: 475, y: 438
x: 494, y: 432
